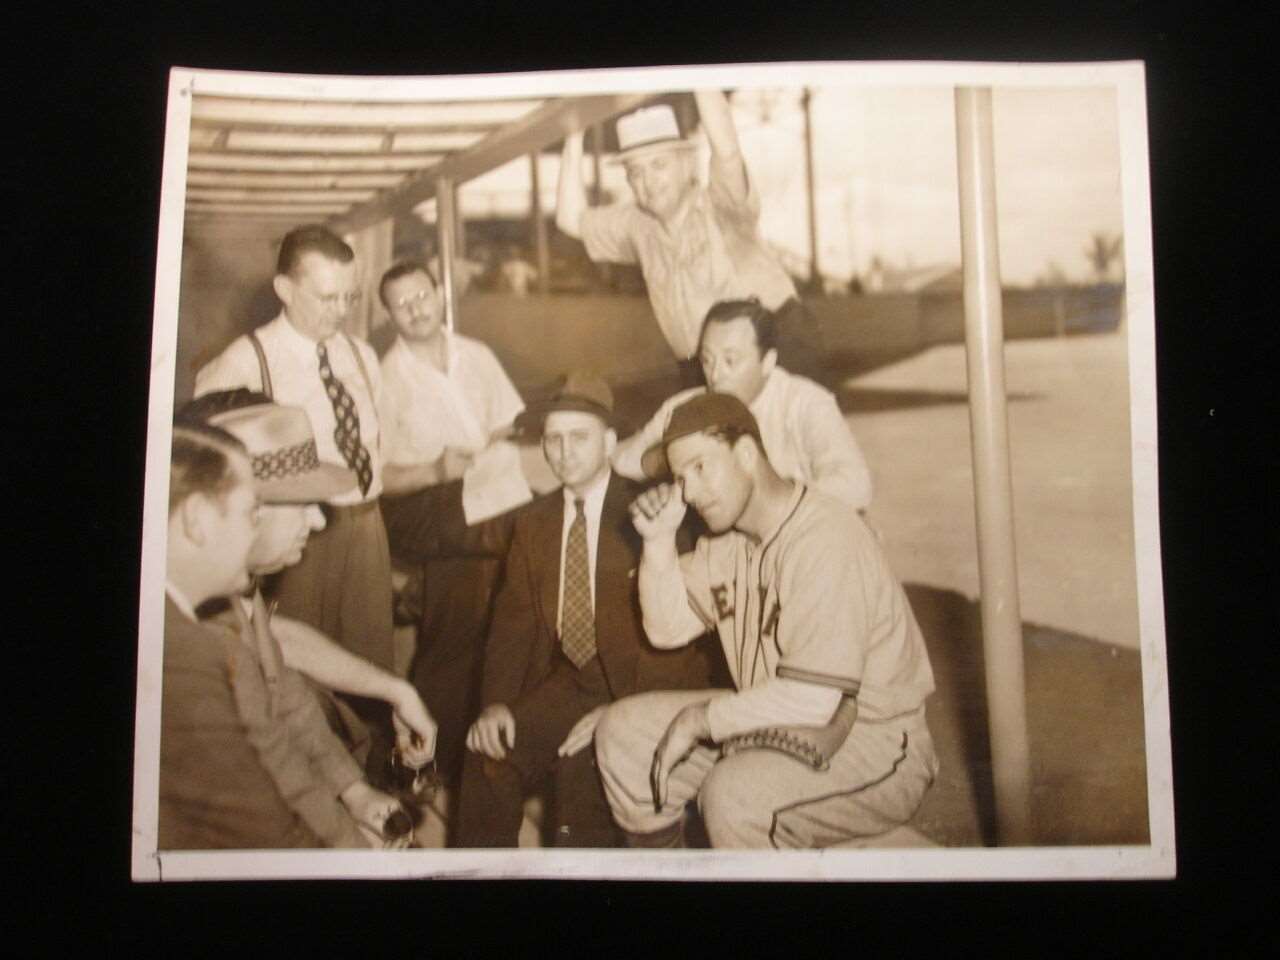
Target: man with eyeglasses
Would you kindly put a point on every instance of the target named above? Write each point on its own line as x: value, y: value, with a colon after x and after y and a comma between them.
x: 450, y: 478
x: 305, y: 358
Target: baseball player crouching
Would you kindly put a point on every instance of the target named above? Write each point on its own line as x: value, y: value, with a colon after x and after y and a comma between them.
x: 824, y: 739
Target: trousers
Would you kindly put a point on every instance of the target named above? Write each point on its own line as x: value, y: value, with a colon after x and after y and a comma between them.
x: 342, y: 587
x: 460, y: 568
x: 760, y: 798
x: 493, y: 791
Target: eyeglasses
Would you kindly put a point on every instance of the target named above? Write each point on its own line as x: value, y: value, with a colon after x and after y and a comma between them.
x: 421, y: 297
x: 336, y: 300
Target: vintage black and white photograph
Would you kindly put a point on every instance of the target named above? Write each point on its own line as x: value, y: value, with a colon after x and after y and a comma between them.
x: 725, y: 472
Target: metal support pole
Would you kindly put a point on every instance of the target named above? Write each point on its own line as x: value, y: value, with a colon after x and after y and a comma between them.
x: 461, y: 233
x: 814, y: 276
x: 539, y: 228
x: 993, y: 485
x: 447, y: 233
x: 597, y: 148
x: 604, y: 269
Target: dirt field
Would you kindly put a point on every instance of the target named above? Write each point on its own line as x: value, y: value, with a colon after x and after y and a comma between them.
x: 1069, y: 438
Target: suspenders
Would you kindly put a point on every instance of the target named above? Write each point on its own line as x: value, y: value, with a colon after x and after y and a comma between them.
x: 262, y: 364
x: 265, y: 371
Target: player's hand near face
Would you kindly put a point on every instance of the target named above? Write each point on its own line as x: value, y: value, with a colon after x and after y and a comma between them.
x: 658, y: 512
x: 684, y: 733
x: 493, y: 733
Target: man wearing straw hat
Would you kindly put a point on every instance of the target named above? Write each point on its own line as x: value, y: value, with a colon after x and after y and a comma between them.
x: 279, y: 712
x: 695, y: 244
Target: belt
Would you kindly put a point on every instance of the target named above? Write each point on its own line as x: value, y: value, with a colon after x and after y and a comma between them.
x: 354, y: 509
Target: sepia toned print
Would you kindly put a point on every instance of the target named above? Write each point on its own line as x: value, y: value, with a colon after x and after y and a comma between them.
x: 925, y: 293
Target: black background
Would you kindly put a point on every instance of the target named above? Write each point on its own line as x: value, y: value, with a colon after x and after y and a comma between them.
x: 86, y: 127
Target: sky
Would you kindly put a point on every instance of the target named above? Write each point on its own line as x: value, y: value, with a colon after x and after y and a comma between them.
x: 885, y: 171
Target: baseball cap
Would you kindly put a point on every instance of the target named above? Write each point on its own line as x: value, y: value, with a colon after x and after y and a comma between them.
x: 699, y: 413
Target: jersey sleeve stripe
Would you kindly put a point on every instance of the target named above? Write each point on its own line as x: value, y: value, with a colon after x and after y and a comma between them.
x: 845, y: 685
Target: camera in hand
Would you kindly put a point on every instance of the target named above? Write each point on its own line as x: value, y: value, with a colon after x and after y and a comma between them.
x: 420, y: 782
x: 397, y: 826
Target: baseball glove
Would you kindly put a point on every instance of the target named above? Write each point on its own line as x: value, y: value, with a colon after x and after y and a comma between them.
x: 814, y: 746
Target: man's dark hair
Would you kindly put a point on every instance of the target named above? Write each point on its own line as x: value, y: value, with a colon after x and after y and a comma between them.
x: 403, y: 268
x: 196, y: 413
x: 312, y: 238
x: 200, y: 462
x: 763, y: 321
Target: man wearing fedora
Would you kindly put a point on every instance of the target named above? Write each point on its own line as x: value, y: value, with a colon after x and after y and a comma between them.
x: 565, y: 638
x: 824, y: 739
x: 695, y: 244
x: 282, y: 714
x: 804, y: 432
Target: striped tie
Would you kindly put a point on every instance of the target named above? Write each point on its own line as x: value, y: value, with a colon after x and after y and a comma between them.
x: 577, y: 621
x: 347, y: 431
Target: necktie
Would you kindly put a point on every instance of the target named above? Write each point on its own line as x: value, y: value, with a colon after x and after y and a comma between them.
x: 347, y: 432
x: 577, y: 621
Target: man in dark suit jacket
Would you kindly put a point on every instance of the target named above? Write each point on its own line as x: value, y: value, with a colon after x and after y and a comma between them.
x: 566, y: 637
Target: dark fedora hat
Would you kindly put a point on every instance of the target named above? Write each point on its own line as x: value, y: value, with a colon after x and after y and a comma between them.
x: 580, y: 390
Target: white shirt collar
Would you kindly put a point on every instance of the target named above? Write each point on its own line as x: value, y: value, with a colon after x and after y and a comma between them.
x: 298, y: 342
x: 764, y: 399
x: 179, y: 599
x: 450, y: 353
x: 593, y: 499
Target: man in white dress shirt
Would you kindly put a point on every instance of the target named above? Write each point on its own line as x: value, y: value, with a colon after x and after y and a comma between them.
x: 448, y: 409
x: 304, y: 358
x: 804, y: 432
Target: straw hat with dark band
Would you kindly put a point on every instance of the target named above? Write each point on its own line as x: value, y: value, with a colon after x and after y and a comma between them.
x: 649, y: 130
x: 282, y: 450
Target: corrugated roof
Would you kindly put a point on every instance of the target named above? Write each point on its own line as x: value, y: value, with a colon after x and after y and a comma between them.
x: 354, y: 163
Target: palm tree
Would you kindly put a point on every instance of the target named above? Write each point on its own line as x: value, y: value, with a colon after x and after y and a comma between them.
x: 1103, y: 250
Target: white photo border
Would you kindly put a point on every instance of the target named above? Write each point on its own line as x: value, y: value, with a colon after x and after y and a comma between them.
x: 1154, y: 860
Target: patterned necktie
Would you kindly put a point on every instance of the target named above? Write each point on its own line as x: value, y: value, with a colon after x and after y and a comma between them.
x: 347, y: 432
x: 577, y: 621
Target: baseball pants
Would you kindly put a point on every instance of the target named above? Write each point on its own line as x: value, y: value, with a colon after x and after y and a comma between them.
x: 761, y: 798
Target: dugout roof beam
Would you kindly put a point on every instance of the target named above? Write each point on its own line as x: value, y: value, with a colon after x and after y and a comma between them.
x: 356, y: 163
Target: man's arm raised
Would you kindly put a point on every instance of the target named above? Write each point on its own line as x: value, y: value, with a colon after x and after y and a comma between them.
x: 571, y: 192
x: 669, y: 619
x: 722, y: 136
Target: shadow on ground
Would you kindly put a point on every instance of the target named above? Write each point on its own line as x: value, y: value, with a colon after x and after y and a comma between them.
x: 1084, y: 727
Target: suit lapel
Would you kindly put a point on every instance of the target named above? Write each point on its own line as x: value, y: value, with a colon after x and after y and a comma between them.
x: 615, y: 562
x: 547, y: 561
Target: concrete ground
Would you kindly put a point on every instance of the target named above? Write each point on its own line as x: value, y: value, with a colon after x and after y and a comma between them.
x: 1069, y: 433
